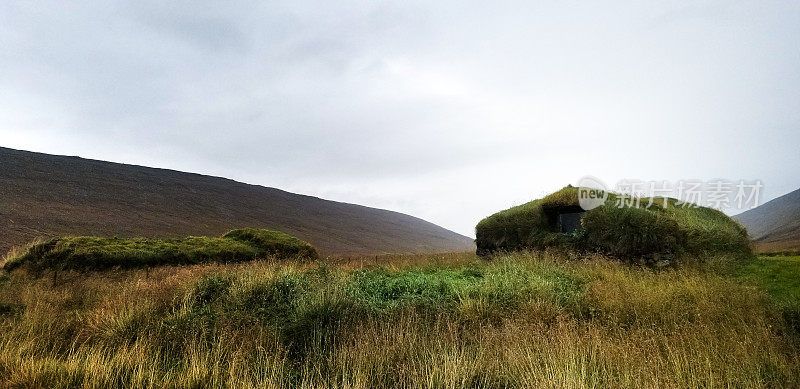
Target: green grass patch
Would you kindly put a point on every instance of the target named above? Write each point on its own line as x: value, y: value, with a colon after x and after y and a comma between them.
x: 778, y: 276
x: 97, y: 253
x: 503, y: 286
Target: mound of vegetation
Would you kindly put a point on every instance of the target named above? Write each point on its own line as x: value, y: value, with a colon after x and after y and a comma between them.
x: 273, y: 243
x: 645, y: 230
x: 97, y: 253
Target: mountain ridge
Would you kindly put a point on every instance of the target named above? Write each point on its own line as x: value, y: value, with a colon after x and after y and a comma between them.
x: 774, y: 225
x: 45, y: 195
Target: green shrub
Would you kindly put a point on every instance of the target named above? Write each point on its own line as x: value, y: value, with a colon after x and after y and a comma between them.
x: 96, y: 253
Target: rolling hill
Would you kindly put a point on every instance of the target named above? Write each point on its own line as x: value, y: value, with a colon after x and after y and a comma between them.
x: 43, y: 195
x: 774, y: 225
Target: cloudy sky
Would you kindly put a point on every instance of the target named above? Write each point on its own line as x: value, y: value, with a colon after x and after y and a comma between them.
x: 446, y: 110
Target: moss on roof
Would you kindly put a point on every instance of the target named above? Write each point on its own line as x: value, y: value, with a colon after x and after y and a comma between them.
x: 97, y: 253
x: 646, y: 229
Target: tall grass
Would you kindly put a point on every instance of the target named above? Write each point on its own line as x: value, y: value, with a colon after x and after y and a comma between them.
x: 520, y: 320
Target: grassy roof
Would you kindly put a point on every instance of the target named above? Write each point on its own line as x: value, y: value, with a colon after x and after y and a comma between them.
x: 272, y: 243
x: 97, y: 253
x: 645, y: 229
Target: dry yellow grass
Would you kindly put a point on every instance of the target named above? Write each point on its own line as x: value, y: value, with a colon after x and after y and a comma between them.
x: 522, y: 320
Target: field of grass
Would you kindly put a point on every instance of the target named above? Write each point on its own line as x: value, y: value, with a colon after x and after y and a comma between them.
x: 517, y: 320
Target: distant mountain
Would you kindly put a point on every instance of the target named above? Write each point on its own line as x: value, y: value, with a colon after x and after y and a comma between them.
x: 774, y: 225
x: 44, y: 195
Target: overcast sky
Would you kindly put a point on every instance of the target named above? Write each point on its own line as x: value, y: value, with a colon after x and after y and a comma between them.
x: 446, y: 110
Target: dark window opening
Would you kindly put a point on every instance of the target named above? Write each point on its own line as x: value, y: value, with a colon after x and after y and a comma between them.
x: 569, y: 222
x: 564, y: 219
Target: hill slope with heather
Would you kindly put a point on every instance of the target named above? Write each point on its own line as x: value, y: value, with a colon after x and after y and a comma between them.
x: 44, y: 195
x: 774, y: 225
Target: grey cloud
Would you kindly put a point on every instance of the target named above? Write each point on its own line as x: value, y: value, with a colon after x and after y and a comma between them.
x: 408, y: 105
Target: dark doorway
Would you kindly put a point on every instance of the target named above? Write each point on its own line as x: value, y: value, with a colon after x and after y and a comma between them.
x: 569, y: 222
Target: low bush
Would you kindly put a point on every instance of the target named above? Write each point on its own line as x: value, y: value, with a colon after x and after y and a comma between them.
x: 96, y: 253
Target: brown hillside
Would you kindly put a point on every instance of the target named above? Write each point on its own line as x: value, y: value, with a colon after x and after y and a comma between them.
x: 774, y: 225
x: 44, y: 195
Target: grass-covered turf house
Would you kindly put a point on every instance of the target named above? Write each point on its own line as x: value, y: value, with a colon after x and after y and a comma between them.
x: 98, y: 253
x: 647, y: 231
